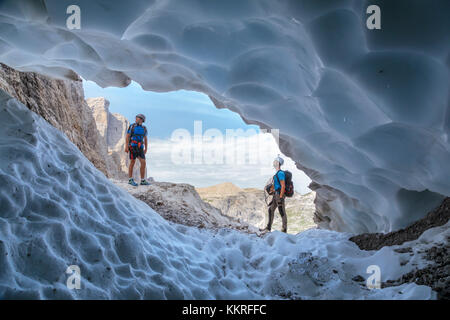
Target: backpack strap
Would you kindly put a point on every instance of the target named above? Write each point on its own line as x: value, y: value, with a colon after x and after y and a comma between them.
x: 131, y: 129
x: 276, y: 175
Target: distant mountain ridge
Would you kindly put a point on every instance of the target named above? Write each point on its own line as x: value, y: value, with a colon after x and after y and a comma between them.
x: 226, y: 188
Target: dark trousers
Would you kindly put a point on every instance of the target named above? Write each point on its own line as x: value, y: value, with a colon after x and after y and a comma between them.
x: 277, y: 202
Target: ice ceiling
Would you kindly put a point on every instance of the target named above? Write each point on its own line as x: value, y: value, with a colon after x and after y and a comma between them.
x: 364, y: 112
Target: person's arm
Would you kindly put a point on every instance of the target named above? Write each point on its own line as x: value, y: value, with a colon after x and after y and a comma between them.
x: 283, y: 187
x: 127, y: 142
x: 282, y: 182
x: 145, y: 144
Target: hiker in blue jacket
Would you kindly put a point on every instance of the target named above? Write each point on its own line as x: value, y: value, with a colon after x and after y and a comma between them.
x: 136, y: 145
x: 279, y: 187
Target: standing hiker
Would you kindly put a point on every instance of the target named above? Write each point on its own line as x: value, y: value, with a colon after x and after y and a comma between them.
x: 136, y: 146
x: 279, y: 189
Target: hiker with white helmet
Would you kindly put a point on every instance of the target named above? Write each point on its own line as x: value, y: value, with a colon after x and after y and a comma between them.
x: 278, y: 190
x: 136, y: 146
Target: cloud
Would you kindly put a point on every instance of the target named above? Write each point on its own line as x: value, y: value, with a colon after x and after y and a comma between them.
x: 204, y: 162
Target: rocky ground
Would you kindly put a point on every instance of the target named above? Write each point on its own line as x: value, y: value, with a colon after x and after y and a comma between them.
x: 375, y: 241
x: 300, y: 211
x: 180, y: 203
x: 245, y: 204
x: 437, y: 273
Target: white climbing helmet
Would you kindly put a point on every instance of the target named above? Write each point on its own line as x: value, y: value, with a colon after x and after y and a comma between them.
x: 279, y: 160
x: 140, y: 115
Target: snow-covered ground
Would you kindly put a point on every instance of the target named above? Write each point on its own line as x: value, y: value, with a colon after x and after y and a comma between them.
x: 57, y: 210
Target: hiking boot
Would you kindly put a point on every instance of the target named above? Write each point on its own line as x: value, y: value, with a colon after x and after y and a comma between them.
x: 144, y: 182
x: 132, y: 182
x: 265, y: 230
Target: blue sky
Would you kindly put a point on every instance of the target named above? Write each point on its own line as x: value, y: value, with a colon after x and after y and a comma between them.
x: 167, y: 112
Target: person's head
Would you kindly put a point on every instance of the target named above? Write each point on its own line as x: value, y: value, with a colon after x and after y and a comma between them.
x: 278, y: 162
x: 140, y: 119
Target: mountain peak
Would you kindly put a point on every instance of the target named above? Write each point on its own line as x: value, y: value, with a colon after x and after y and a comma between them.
x: 225, y: 188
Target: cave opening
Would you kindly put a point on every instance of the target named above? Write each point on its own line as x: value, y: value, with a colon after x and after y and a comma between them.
x: 192, y: 141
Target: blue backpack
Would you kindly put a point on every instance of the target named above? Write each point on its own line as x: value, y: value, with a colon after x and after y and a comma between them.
x: 136, y: 138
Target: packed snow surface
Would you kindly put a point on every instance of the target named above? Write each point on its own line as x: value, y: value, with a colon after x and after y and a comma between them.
x: 365, y: 112
x: 58, y: 210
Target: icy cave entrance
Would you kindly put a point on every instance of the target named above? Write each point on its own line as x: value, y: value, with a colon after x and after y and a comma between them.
x: 227, y: 161
x: 191, y: 141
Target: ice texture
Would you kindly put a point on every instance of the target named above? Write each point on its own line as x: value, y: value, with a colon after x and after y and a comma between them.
x: 363, y: 112
x: 58, y: 210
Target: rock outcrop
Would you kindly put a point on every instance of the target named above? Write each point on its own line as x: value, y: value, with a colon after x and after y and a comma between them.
x: 221, y: 206
x: 62, y: 104
x: 180, y: 203
x: 98, y: 133
x: 244, y: 204
x: 112, y: 128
